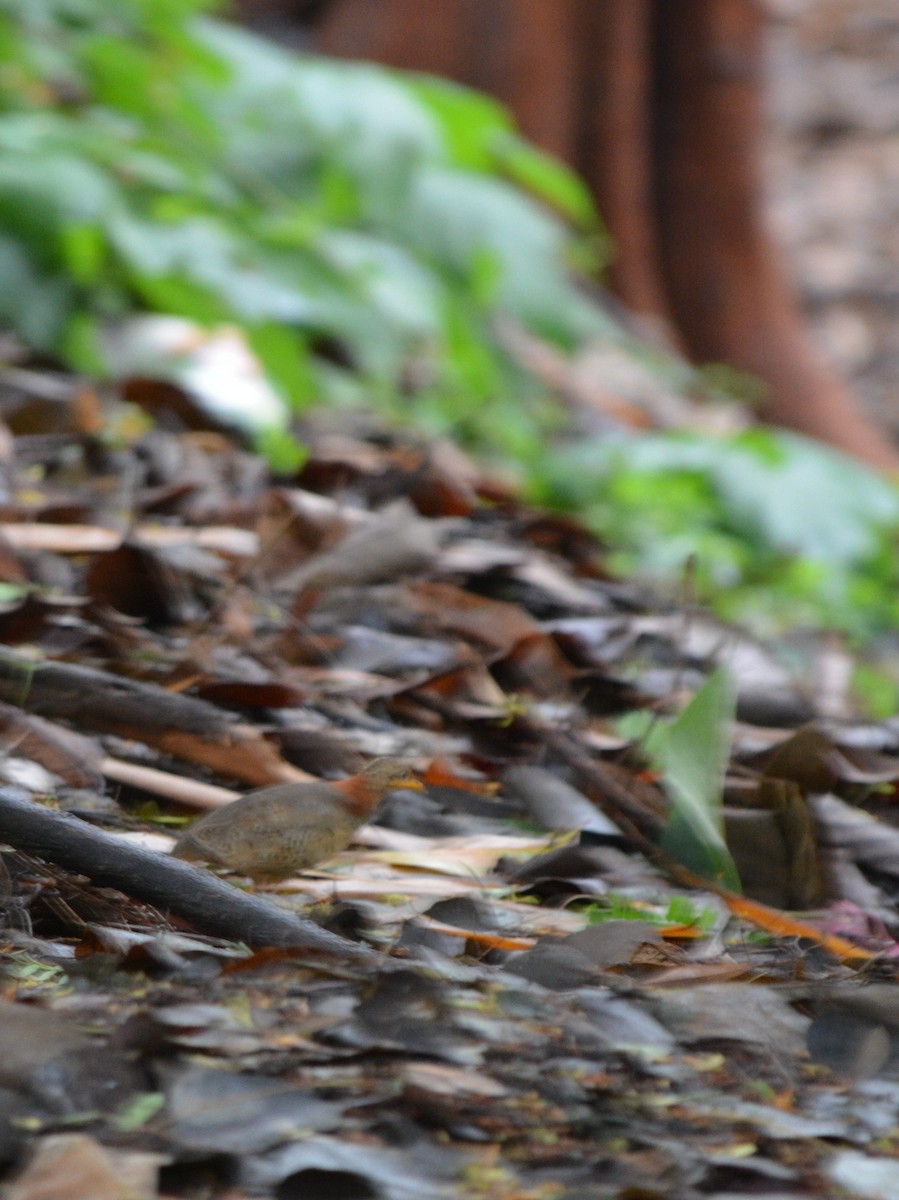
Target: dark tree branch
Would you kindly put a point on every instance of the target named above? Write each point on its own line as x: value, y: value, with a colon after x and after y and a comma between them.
x: 175, y: 887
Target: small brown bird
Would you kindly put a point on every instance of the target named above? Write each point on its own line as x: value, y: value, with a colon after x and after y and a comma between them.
x: 272, y: 833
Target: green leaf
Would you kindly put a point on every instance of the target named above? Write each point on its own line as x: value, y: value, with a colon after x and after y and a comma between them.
x: 547, y: 178
x: 877, y: 691
x: 42, y: 194
x: 37, y: 304
x: 455, y: 217
x: 783, y: 498
x: 81, y: 344
x: 398, y: 288
x: 283, y: 452
x: 472, y: 124
x: 281, y: 112
x: 692, y: 755
x: 771, y: 484
x: 138, y: 1111
x: 285, y: 356
x: 11, y: 592
x: 84, y: 251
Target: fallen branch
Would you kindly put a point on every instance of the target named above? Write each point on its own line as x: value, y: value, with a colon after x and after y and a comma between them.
x: 176, y: 887
x: 41, y: 537
x: 184, y: 726
x: 192, y: 792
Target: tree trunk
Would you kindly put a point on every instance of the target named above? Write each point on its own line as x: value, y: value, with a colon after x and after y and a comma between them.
x: 612, y: 146
x: 658, y: 105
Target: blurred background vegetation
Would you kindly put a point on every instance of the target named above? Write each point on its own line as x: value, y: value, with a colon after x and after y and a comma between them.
x: 388, y: 240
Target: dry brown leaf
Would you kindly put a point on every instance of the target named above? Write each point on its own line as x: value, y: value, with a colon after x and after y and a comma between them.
x: 76, y: 759
x: 493, y: 624
x: 245, y: 755
x: 73, y: 1166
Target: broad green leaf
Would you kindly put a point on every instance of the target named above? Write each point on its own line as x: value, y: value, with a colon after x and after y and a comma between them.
x: 472, y: 124
x: 455, y: 216
x: 283, y: 451
x: 692, y: 754
x: 208, y: 254
x: 138, y: 1110
x: 37, y: 304
x: 547, y: 178
x: 42, y: 194
x: 280, y: 110
x: 80, y: 343
x: 810, y: 500
x: 285, y: 356
x: 796, y: 494
x: 11, y: 592
x: 83, y: 251
x: 400, y: 288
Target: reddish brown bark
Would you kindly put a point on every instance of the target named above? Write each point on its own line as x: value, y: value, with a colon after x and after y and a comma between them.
x: 612, y: 149
x: 403, y: 33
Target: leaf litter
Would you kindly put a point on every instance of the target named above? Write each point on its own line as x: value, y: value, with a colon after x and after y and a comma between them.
x: 514, y: 984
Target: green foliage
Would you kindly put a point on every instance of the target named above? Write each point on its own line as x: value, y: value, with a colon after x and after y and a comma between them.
x: 683, y: 911
x: 680, y: 910
x: 138, y: 1110
x: 781, y: 532
x: 153, y: 159
x: 692, y: 754
x: 876, y: 687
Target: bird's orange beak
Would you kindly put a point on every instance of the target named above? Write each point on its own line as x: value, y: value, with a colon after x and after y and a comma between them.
x: 408, y: 785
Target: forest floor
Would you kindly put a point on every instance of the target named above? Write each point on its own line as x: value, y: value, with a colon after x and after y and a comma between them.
x: 503, y: 989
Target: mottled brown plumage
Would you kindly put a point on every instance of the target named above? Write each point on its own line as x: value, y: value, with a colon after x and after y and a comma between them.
x: 272, y: 833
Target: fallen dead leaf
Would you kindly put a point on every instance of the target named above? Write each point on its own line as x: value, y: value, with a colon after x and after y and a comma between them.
x: 73, y: 1166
